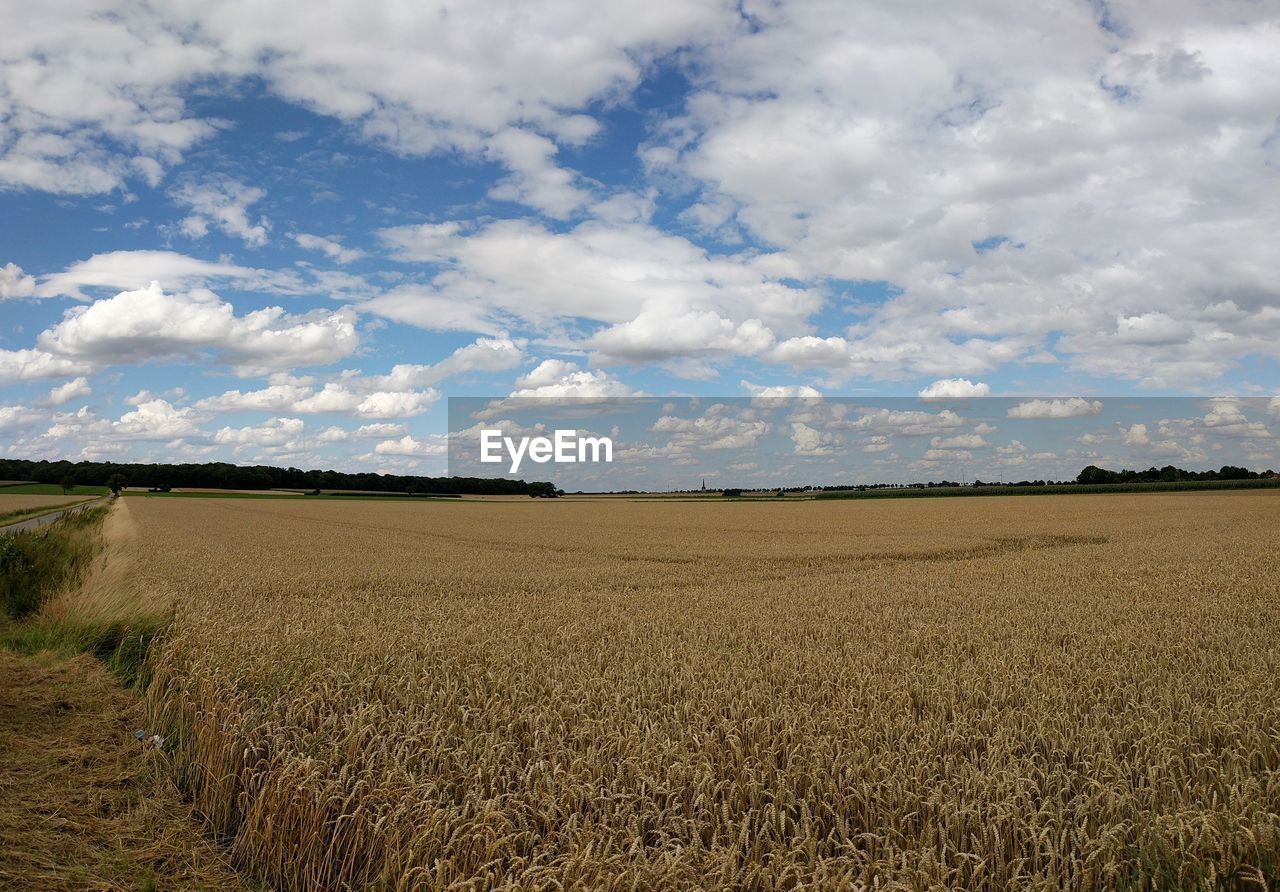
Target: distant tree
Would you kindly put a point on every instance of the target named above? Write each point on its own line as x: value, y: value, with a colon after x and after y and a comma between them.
x: 67, y: 483
x: 731, y: 493
x: 116, y: 482
x: 1095, y: 474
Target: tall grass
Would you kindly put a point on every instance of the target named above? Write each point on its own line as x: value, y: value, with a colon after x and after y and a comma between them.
x: 36, y: 564
x: 66, y: 587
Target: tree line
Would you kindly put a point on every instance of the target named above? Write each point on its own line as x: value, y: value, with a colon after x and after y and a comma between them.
x: 1168, y: 474
x: 221, y: 475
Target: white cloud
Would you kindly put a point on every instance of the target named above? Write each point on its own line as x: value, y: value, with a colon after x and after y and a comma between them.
x: 65, y: 393
x: 780, y: 391
x: 647, y: 287
x: 1075, y: 407
x: 535, y: 179
x: 1076, y: 186
x: 960, y: 441
x: 277, y: 433
x: 719, y: 427
x: 28, y: 365
x: 1227, y: 417
x: 222, y: 202
x: 16, y: 418
x: 1136, y: 435
x: 483, y: 355
x: 811, y: 441
x: 907, y: 423
x: 330, y: 246
x: 15, y: 283
x: 391, y: 404
x: 560, y: 379
x: 656, y: 334
x: 135, y: 326
x: 350, y: 396
x: 155, y: 419
x: 94, y: 100
x: 407, y: 445
x: 954, y: 389
x: 131, y: 270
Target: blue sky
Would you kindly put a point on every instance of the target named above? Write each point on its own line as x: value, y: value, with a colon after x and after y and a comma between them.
x: 287, y: 236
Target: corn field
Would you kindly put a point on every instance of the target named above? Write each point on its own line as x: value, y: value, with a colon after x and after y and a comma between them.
x: 1039, y: 693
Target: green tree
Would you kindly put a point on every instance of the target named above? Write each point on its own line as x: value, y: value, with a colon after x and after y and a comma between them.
x: 67, y: 483
x: 116, y: 482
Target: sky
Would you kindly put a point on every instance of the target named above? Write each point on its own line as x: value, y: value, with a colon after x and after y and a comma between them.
x: 288, y: 233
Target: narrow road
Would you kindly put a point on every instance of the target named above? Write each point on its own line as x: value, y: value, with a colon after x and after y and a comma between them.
x: 32, y: 523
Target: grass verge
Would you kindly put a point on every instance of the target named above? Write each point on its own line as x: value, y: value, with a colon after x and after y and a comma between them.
x: 61, y: 592
x: 82, y: 804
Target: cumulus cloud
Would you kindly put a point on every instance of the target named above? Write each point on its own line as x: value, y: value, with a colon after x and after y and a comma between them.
x: 94, y: 101
x: 222, y: 202
x: 131, y: 270
x: 656, y: 334
x: 1136, y: 435
x: 15, y: 283
x: 811, y: 441
x: 407, y: 445
x: 65, y: 393
x: 156, y: 419
x: 954, y: 389
x: 907, y: 423
x: 16, y: 418
x: 330, y: 246
x: 1068, y: 188
x: 648, y: 288
x: 482, y: 355
x: 781, y: 391
x: 535, y: 179
x: 558, y: 378
x: 719, y: 427
x: 1075, y: 407
x: 960, y: 441
x: 349, y: 396
x: 276, y: 433
x: 135, y: 326
x: 28, y: 365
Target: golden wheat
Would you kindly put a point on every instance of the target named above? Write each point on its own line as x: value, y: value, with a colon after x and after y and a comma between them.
x: 1037, y: 693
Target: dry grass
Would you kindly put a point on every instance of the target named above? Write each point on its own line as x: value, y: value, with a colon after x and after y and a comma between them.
x: 14, y: 504
x: 82, y: 806
x: 1037, y: 693
x: 17, y: 507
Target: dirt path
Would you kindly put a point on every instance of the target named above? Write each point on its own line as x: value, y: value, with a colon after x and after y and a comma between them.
x: 82, y: 806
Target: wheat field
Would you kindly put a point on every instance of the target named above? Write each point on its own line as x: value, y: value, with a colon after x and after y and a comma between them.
x: 1077, y: 692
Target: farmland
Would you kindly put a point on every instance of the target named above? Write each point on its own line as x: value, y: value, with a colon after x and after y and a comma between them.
x: 1072, y: 692
x: 16, y: 507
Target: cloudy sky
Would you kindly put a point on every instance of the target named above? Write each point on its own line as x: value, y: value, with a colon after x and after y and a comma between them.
x: 286, y: 232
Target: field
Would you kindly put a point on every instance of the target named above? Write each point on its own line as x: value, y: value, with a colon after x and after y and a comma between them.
x: 1035, y: 693
x: 49, y: 489
x: 16, y: 507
